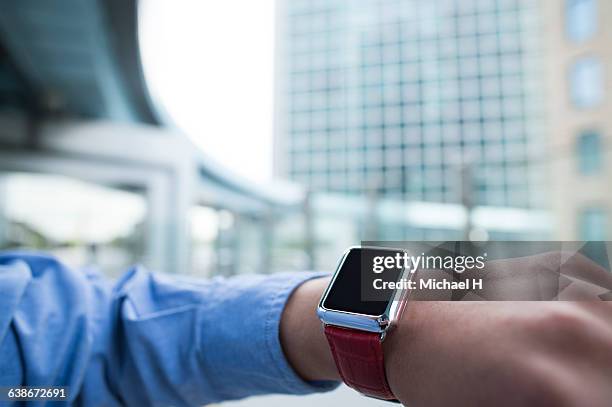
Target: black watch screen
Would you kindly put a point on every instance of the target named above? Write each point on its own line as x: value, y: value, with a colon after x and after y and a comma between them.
x: 354, y: 289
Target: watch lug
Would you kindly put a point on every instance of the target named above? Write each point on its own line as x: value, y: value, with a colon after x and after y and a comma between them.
x: 383, y: 321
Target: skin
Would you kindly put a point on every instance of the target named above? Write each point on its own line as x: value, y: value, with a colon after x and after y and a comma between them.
x: 511, y: 353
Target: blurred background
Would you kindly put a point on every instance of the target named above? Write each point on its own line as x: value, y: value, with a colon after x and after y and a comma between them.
x: 218, y: 138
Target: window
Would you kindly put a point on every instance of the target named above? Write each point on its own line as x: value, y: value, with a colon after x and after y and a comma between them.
x: 588, y: 150
x: 593, y: 224
x: 580, y: 19
x: 586, y: 82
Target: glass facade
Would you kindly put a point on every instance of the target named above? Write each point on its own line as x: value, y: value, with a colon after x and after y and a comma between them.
x: 581, y: 19
x: 586, y: 82
x: 589, y: 152
x: 396, y: 96
x: 593, y: 224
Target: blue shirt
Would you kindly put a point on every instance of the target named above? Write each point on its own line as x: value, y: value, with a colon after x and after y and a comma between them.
x: 148, y: 339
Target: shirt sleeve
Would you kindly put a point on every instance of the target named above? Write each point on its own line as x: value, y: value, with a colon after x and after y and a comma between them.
x: 149, y: 339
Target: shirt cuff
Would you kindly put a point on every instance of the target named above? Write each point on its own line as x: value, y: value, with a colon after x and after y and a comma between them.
x: 250, y: 353
x: 292, y: 382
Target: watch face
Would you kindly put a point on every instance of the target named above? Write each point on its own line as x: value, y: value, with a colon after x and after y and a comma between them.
x: 353, y: 289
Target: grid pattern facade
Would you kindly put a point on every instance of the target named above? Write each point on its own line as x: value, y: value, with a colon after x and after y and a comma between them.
x: 395, y: 95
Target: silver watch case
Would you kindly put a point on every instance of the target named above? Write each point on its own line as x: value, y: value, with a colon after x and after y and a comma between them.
x: 363, y: 322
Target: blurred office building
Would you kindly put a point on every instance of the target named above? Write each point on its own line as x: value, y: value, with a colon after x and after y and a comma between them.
x: 580, y: 136
x: 486, y: 104
x: 401, y: 96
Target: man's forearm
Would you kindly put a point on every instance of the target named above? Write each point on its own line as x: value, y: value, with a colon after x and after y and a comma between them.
x: 302, y: 334
x: 174, y: 342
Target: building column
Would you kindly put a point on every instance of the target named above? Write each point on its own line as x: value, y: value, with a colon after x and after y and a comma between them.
x: 168, y: 236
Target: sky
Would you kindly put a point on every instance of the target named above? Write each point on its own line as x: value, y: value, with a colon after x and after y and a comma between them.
x: 210, y: 66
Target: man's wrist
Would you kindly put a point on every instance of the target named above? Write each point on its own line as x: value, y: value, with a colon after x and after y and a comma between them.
x: 302, y: 335
x: 402, y: 357
x: 307, y: 349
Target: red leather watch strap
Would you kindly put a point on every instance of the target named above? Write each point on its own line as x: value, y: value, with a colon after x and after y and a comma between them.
x: 360, y: 360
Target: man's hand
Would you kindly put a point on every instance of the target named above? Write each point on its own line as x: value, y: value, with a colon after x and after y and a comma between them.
x: 502, y: 354
x: 476, y: 353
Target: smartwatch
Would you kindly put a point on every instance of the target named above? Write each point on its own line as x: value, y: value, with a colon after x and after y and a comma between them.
x: 358, y: 314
